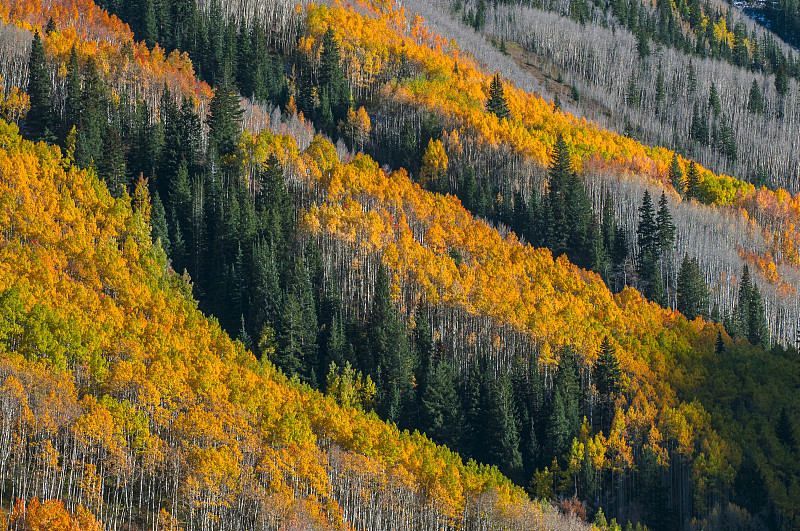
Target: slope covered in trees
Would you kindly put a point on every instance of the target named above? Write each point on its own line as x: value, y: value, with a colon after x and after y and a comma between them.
x: 486, y: 324
x: 121, y: 398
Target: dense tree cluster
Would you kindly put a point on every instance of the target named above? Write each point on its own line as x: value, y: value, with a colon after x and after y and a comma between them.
x: 353, y: 281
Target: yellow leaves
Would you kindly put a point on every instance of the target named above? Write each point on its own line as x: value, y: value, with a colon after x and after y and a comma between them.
x: 348, y: 388
x: 358, y: 127
x: 51, y: 515
x: 13, y: 106
x: 434, y: 162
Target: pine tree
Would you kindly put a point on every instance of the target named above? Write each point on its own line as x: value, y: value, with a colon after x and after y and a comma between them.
x: 742, y: 310
x: 676, y: 175
x: 609, y: 225
x: 92, y: 118
x: 647, y: 230
x: 496, y: 104
x: 660, y: 89
x: 503, y: 446
x: 719, y: 345
x: 647, y: 237
x: 692, y: 290
x: 40, y: 122
x: 158, y: 219
x: 440, y: 410
x: 297, y: 334
x: 224, y: 120
x: 665, y: 229
x: 330, y: 71
x: 755, y: 104
x: 564, y: 421
x: 190, y: 130
x: 72, y: 103
x: 245, y: 60
x: 111, y: 165
x: 713, y: 100
x: 757, y: 330
x: 608, y: 382
x: 692, y: 182
x: 781, y: 81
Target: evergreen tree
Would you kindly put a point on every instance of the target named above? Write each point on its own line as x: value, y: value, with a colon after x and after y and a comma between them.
x: 40, y: 122
x: 245, y: 60
x: 564, y: 421
x: 755, y: 104
x: 609, y: 224
x: 423, y: 349
x: 503, y: 445
x: 111, y: 165
x: 647, y: 237
x: 72, y: 103
x: 665, y: 229
x: 608, y: 383
x: 330, y: 71
x: 692, y: 182
x: 92, y: 120
x: 190, y: 131
x: 440, y: 410
x: 647, y: 230
x: 713, y: 100
x: 757, y: 330
x: 781, y: 81
x: 158, y: 218
x: 388, y: 357
x: 660, y: 89
x: 676, y: 175
x: 496, y: 104
x: 297, y: 335
x: 224, y: 121
x: 719, y: 345
x: 692, y: 290
x: 742, y: 310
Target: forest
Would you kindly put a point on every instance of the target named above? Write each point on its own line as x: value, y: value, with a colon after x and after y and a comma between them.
x: 257, y: 281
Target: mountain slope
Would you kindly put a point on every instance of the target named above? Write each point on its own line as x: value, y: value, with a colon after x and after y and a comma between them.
x: 112, y: 379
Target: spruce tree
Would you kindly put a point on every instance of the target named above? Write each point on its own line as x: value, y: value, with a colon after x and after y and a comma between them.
x: 719, y: 345
x: 781, y: 81
x: 72, y: 103
x: 92, y: 118
x: 665, y: 229
x: 557, y: 198
x: 692, y: 182
x: 158, y: 219
x: 224, y: 120
x: 503, y: 446
x: 647, y: 230
x: 757, y: 330
x: 440, y: 408
x: 676, y: 175
x: 608, y: 382
x: 692, y: 290
x: 647, y: 237
x: 496, y: 104
x: 111, y: 165
x: 564, y: 421
x: 713, y: 100
x: 742, y: 311
x: 40, y: 122
x: 755, y: 104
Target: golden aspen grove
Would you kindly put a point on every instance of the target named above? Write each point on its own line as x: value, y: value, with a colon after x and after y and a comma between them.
x: 320, y: 266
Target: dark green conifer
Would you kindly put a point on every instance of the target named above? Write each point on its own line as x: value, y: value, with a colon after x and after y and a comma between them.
x: 496, y: 104
x: 692, y: 289
x: 755, y: 104
x: 676, y: 175
x: 40, y: 122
